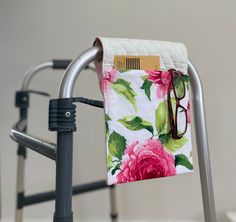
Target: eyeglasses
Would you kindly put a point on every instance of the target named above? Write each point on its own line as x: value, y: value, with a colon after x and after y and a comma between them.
x: 177, y: 113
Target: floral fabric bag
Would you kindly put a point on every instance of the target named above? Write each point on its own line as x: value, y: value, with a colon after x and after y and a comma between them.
x: 147, y: 115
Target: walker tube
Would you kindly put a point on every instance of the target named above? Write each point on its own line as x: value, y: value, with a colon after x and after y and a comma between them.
x: 202, y: 144
x: 21, y: 149
x: 38, y: 145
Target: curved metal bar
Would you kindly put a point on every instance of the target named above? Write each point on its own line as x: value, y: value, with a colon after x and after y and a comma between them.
x: 202, y: 144
x: 30, y: 73
x: 66, y: 90
x: 74, y: 69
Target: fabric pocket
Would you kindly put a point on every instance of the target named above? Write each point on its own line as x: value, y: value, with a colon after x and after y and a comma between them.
x: 139, y: 134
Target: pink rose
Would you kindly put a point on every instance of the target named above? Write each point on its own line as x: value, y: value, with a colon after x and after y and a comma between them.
x: 188, y: 113
x: 146, y: 161
x: 106, y: 78
x: 162, y: 79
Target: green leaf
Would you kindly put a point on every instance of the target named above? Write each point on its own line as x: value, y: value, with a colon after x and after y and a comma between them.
x: 173, y: 145
x: 182, y: 160
x: 185, y: 78
x: 164, y: 138
x: 179, y: 85
x: 109, y: 161
x: 161, y: 116
x: 116, y: 145
x: 146, y: 86
x: 180, y: 89
x: 136, y: 123
x: 117, y: 167
x: 123, y: 88
x: 144, y: 77
x: 107, y: 118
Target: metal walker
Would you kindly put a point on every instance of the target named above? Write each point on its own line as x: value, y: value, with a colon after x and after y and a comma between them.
x: 18, y: 133
x: 62, y: 120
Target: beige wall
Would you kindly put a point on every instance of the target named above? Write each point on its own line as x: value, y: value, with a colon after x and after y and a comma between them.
x: 34, y: 31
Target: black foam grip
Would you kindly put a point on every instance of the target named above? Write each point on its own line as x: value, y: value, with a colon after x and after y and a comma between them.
x: 61, y: 63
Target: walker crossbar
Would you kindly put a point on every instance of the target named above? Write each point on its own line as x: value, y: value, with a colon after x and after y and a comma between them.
x: 50, y: 195
x: 63, y: 210
x: 36, y: 144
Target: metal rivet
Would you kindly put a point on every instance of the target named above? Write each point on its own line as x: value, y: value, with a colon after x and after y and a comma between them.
x: 67, y: 114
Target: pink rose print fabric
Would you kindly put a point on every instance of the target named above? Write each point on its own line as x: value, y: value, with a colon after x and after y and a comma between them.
x: 146, y: 161
x: 106, y: 79
x: 139, y: 142
x: 162, y: 80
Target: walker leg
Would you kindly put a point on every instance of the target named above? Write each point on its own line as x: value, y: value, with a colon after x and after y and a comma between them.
x: 113, y: 204
x: 22, y: 102
x: 202, y: 145
x: 20, y: 183
x: 63, y: 205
